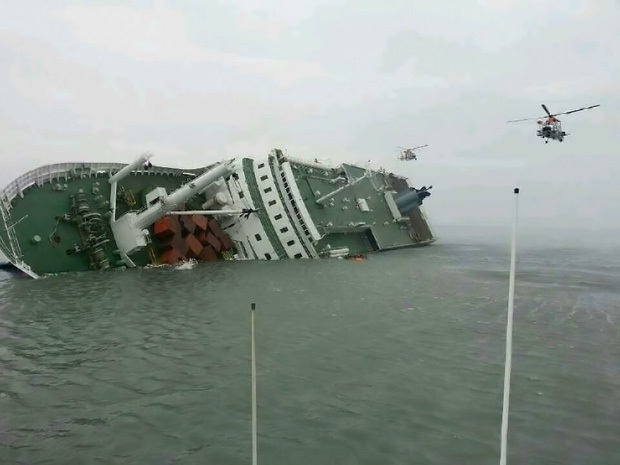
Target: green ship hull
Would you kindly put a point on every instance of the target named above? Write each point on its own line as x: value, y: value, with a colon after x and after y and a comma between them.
x: 74, y: 217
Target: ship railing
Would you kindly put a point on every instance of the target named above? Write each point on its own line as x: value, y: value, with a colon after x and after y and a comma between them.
x: 12, y: 249
x: 49, y: 173
x: 58, y: 171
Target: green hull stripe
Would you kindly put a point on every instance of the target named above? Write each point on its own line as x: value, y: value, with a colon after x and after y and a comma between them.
x: 262, y: 214
x: 272, y: 161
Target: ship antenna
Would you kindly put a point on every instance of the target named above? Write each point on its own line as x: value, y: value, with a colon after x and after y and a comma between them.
x: 507, y: 365
x: 254, y: 435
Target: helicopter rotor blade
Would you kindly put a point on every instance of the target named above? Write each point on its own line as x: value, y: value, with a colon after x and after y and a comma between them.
x: 524, y: 119
x: 419, y: 147
x: 552, y: 115
x: 578, y: 109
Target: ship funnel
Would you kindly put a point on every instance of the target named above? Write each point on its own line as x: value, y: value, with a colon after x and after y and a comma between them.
x: 130, y: 229
x: 408, y: 200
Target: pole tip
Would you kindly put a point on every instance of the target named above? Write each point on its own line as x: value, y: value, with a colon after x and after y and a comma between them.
x: 516, y: 190
x: 253, y: 305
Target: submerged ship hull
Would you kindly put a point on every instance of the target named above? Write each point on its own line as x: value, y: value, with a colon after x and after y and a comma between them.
x: 73, y: 217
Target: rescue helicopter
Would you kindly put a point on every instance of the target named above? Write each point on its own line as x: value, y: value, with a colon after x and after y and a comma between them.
x: 409, y: 154
x: 549, y: 127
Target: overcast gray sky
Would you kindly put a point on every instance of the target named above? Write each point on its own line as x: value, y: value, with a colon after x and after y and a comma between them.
x: 196, y: 82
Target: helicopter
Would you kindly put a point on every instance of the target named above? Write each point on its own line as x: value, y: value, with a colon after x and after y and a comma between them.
x: 409, y: 154
x: 550, y: 127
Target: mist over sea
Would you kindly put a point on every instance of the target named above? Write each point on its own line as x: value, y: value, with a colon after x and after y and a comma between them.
x: 397, y: 359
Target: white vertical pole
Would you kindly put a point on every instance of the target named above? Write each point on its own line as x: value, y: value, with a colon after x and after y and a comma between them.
x: 254, y: 429
x: 508, y: 363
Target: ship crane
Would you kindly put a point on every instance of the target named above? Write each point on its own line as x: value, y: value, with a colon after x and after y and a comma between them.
x: 130, y: 231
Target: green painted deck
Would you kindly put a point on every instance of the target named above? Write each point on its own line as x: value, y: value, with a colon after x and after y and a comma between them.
x: 314, y: 183
x: 44, y: 239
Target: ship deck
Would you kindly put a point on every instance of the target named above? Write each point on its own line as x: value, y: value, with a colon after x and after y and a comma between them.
x: 36, y: 200
x: 337, y: 219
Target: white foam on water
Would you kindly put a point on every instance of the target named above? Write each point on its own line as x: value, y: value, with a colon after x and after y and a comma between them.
x: 188, y: 265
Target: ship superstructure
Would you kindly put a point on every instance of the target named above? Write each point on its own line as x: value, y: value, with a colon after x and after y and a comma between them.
x: 98, y: 216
